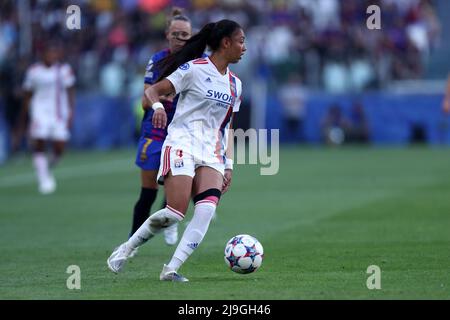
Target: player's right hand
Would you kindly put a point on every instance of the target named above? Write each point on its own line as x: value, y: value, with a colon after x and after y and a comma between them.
x: 159, y: 119
x: 226, y: 180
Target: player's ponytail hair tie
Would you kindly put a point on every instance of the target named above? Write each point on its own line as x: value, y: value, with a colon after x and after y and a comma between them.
x: 210, y: 35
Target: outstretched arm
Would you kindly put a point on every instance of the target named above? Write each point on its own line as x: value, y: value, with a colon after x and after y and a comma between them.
x: 229, y: 155
x: 71, y: 95
x: 446, y: 103
x: 24, y: 113
x: 145, y: 103
x: 152, y: 100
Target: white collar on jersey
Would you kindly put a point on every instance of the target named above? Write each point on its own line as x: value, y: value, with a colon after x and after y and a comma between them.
x: 217, y: 70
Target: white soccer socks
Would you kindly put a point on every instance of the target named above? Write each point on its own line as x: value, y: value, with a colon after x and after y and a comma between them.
x: 153, y: 225
x: 194, y: 233
x: 46, y: 181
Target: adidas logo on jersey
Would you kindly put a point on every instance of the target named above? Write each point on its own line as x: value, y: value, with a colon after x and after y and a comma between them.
x: 208, y: 80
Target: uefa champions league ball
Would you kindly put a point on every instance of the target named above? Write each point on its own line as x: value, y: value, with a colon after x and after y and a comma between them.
x: 244, y: 254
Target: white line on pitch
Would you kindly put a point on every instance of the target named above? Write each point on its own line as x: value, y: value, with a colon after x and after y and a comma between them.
x: 68, y: 172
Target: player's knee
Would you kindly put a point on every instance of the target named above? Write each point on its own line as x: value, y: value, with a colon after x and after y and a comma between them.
x: 211, y: 196
x: 165, y: 218
x: 150, y: 184
x: 58, y: 152
x: 160, y: 220
x: 148, y: 179
x: 38, y: 145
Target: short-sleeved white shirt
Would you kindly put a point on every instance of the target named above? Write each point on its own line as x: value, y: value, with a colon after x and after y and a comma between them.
x: 204, y: 109
x: 49, y: 86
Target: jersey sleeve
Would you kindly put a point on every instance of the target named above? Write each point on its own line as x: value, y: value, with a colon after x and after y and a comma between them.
x: 237, y: 103
x: 150, y: 76
x: 68, y: 77
x: 29, y: 82
x: 181, y: 78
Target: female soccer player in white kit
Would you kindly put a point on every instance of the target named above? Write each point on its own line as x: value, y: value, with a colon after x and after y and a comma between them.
x: 49, y: 99
x: 179, y: 30
x: 197, y: 153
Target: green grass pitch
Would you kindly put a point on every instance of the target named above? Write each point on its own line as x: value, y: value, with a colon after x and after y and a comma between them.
x: 323, y: 219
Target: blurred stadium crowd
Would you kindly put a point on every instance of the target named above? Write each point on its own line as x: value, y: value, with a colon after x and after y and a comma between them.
x: 292, y: 44
x: 325, y: 42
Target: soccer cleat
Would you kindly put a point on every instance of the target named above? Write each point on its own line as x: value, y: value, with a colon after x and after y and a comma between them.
x: 118, y: 258
x: 171, y: 234
x: 48, y: 185
x: 168, y: 274
x: 133, y: 253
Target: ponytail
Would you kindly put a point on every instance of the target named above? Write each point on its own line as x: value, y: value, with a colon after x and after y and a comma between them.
x: 194, y: 48
x: 210, y: 35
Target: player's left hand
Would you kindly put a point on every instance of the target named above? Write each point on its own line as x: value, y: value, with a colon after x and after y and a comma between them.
x: 226, y: 180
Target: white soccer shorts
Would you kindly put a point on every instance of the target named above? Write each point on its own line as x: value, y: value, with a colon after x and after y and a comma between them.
x: 181, y: 163
x: 49, y: 129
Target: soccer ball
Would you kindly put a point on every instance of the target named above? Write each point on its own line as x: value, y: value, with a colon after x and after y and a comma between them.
x: 244, y: 254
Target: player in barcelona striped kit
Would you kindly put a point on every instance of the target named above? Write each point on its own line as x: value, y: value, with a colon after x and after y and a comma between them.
x: 178, y: 30
x: 197, y: 153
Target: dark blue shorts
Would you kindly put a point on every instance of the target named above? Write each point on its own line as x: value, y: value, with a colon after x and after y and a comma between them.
x: 149, y: 153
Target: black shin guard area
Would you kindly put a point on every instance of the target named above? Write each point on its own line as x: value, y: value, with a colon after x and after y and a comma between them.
x: 208, y: 193
x: 142, y: 207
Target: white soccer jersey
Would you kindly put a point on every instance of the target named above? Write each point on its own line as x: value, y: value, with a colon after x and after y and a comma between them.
x: 202, y: 117
x: 49, y: 84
